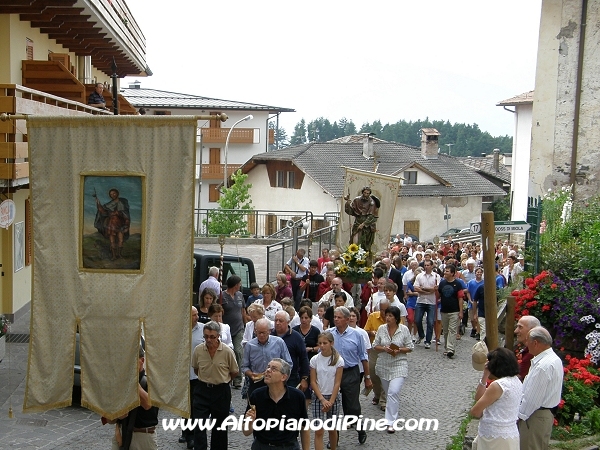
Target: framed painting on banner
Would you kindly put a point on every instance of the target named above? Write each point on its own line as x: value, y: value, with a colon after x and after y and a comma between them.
x: 112, y: 222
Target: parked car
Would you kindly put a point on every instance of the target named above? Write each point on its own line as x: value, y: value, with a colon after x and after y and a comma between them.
x: 450, y: 232
x: 232, y: 265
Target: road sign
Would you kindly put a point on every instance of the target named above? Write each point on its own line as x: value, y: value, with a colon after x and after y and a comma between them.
x: 504, y: 226
x: 447, y: 216
x: 476, y: 228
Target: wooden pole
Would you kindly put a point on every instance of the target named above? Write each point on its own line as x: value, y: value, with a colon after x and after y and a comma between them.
x: 488, y: 232
x: 510, y: 323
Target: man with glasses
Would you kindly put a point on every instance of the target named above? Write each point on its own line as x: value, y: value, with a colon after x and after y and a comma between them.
x: 426, y: 285
x: 215, y: 365
x: 336, y: 286
x: 259, y: 351
x: 277, y: 401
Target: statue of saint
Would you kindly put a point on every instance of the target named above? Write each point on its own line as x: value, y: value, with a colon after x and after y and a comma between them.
x: 365, y: 209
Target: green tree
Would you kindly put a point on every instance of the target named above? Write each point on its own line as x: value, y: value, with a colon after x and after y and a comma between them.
x: 299, y: 136
x: 230, y: 218
x: 281, y: 138
x: 501, y: 208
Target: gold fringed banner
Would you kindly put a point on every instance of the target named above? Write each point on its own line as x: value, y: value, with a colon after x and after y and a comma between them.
x: 385, y: 188
x: 112, y: 212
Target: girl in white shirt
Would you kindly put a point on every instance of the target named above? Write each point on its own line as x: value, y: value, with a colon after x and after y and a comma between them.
x: 325, y: 378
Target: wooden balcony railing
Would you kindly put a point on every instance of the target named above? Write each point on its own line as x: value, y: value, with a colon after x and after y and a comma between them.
x: 219, y: 135
x: 53, y: 77
x: 16, y: 99
x: 215, y: 171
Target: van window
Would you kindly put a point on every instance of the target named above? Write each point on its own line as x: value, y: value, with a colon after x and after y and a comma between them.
x: 239, y: 269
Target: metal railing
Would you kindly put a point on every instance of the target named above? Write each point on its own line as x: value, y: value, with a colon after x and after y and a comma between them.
x: 278, y: 254
x: 259, y: 223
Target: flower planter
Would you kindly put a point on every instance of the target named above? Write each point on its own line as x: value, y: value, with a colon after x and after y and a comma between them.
x: 2, y: 347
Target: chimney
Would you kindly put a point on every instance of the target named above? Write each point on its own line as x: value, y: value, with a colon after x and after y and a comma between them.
x: 429, y: 143
x: 368, y: 145
x: 135, y: 85
x: 496, y: 160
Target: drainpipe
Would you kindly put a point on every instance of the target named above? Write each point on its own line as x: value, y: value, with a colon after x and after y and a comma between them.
x: 572, y: 179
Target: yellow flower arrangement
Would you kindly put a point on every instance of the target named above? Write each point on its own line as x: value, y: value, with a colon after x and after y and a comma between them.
x: 355, y: 267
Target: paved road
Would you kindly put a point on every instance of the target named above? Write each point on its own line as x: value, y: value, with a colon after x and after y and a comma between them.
x: 436, y: 388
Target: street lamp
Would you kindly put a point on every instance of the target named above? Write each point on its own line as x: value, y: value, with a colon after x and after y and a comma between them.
x: 248, y: 117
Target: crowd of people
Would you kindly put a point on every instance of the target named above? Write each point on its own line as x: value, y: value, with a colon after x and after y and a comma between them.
x: 305, y: 345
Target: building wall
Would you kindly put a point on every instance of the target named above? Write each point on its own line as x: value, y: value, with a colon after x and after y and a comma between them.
x: 554, y: 102
x: 18, y: 33
x: 422, y: 178
x: 430, y: 214
x: 16, y: 286
x: 310, y: 198
x: 520, y: 184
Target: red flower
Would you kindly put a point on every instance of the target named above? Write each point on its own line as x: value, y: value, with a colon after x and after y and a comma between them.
x: 561, y: 404
x: 546, y: 308
x: 555, y: 422
x: 525, y: 312
x: 553, y: 286
x: 562, y: 349
x: 568, y: 357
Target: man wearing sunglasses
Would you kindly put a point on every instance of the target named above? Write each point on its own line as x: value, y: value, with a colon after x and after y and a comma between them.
x: 215, y: 365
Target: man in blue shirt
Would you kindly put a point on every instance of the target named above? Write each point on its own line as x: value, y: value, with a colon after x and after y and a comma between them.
x: 259, y: 351
x: 297, y: 348
x: 96, y: 99
x: 351, y: 347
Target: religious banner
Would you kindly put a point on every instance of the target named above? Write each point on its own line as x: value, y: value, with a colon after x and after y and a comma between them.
x: 112, y: 201
x: 367, y: 210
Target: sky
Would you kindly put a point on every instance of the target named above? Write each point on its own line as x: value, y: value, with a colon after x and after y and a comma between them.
x: 400, y: 60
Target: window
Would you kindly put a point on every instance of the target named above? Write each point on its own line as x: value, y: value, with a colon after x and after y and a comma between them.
x: 290, y: 180
x: 213, y: 193
x: 279, y: 178
x: 410, y: 177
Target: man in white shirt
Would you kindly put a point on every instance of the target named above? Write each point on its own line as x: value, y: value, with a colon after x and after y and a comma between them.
x: 211, y: 282
x: 297, y: 267
x: 426, y: 285
x: 542, y: 390
x: 336, y: 286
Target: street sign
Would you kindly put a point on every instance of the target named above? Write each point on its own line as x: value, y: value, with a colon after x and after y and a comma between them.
x: 447, y: 216
x: 476, y: 228
x: 504, y: 226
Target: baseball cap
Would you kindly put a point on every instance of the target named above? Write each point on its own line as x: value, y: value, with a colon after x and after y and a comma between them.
x: 479, y: 356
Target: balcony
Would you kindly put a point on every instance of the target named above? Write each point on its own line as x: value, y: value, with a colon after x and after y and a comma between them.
x: 215, y: 171
x: 101, y: 29
x: 219, y: 136
x: 55, y: 78
x: 16, y: 99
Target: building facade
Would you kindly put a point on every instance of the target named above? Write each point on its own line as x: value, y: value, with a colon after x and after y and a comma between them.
x: 51, y: 54
x: 565, y: 145
x: 248, y: 138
